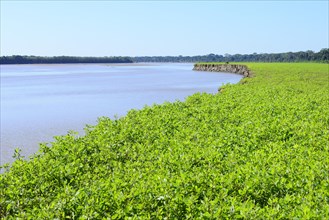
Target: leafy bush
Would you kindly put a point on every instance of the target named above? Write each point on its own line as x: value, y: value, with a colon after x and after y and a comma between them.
x: 257, y: 150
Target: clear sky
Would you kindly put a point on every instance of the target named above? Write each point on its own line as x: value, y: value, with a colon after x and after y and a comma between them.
x: 139, y: 28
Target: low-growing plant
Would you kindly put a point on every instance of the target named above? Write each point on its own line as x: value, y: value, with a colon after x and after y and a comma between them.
x: 257, y: 150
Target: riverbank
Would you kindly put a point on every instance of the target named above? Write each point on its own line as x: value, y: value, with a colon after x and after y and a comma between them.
x: 41, y: 101
x: 257, y: 150
x: 219, y: 67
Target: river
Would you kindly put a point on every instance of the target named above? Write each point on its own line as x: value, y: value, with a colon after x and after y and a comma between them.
x: 42, y: 101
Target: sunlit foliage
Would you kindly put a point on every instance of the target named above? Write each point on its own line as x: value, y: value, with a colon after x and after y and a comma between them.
x: 256, y: 150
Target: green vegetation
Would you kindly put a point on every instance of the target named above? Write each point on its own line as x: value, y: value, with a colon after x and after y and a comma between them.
x: 301, y: 56
x: 16, y: 59
x: 256, y: 150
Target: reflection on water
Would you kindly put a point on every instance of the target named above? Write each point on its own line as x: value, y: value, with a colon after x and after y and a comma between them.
x: 41, y: 101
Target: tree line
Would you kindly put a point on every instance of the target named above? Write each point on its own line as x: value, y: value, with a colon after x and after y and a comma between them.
x: 302, y: 56
x: 16, y: 59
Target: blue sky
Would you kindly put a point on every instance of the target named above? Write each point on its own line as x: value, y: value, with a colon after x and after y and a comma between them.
x: 139, y: 28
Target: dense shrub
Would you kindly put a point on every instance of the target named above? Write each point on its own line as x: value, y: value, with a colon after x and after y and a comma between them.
x: 256, y: 150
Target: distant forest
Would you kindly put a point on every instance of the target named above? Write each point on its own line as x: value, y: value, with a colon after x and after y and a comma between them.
x: 302, y: 56
x: 307, y: 56
x: 16, y: 59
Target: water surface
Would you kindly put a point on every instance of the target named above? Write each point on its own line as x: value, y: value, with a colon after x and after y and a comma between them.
x: 42, y: 101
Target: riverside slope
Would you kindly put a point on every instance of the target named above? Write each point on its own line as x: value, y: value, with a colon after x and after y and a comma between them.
x: 257, y: 150
x: 229, y: 68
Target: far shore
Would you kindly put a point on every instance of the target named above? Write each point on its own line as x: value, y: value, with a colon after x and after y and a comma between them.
x: 102, y: 64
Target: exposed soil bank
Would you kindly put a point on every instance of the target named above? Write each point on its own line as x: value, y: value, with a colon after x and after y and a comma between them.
x: 229, y: 68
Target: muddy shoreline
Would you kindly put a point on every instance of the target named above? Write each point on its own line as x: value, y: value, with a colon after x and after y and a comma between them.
x: 228, y: 68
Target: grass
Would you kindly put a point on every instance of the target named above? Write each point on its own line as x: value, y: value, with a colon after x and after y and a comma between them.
x: 257, y: 150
